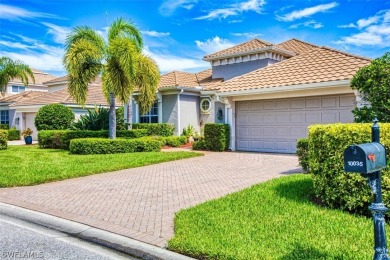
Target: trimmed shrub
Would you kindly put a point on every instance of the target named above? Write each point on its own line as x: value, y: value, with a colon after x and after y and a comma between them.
x: 109, y: 146
x: 303, y: 153
x: 3, y: 139
x: 60, y: 139
x: 332, y: 186
x: 13, y: 134
x: 217, y: 136
x: 54, y: 117
x: 4, y: 126
x: 156, y: 129
x: 199, y: 145
x: 173, y: 141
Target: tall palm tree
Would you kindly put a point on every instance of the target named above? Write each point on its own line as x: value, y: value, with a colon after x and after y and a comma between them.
x: 10, y: 69
x: 119, y: 61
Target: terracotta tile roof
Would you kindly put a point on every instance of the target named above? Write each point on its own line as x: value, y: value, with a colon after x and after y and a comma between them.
x: 296, y: 46
x: 243, y: 47
x: 186, y: 79
x: 98, y: 80
x: 21, y: 96
x: 95, y: 97
x: 318, y: 65
x: 39, y: 76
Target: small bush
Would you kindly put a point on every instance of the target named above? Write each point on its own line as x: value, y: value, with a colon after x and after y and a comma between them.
x: 303, y: 153
x: 3, y: 139
x: 332, y: 185
x: 199, y: 145
x: 173, y: 141
x: 109, y: 146
x: 4, y: 126
x: 136, y: 133
x: 217, y: 136
x: 156, y: 129
x: 54, y: 117
x: 13, y: 134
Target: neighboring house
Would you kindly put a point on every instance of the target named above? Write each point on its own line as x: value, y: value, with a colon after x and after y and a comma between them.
x: 268, y: 93
x: 23, y: 107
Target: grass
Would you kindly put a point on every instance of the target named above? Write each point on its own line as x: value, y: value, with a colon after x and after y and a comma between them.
x: 272, y: 220
x: 29, y: 165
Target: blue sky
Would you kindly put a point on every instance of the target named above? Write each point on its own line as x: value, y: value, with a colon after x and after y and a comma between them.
x: 178, y: 33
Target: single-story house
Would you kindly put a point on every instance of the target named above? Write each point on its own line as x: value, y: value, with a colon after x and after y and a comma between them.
x: 22, y: 108
x: 268, y: 93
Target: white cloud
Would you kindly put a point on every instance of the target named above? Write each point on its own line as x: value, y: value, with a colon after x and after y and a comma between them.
x: 249, y: 35
x: 168, y: 7
x: 169, y: 62
x: 350, y: 25
x: 213, y: 45
x: 312, y: 24
x: 307, y: 12
x: 13, y: 13
x: 59, y: 32
x: 235, y: 9
x: 372, y: 31
x: 155, y: 34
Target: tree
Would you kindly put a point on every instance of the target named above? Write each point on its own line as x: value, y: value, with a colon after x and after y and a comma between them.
x: 119, y: 61
x: 373, y: 81
x: 10, y: 69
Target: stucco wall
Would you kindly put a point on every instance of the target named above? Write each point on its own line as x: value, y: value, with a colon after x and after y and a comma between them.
x: 233, y: 70
x: 189, y: 112
x: 169, y: 110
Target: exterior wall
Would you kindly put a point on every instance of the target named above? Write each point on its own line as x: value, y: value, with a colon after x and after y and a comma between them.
x: 31, y: 88
x: 57, y: 87
x: 134, y: 113
x: 170, y: 111
x: 237, y: 69
x: 189, y: 112
x: 79, y: 112
x: 29, y: 119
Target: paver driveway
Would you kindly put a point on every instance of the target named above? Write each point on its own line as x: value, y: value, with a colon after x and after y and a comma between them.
x: 140, y: 203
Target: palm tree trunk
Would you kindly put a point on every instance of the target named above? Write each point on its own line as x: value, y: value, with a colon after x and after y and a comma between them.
x: 130, y: 113
x: 112, y: 117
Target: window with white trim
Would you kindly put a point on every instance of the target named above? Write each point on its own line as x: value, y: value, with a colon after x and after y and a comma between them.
x: 205, y: 106
x: 18, y: 89
x: 151, y: 116
x: 4, y: 117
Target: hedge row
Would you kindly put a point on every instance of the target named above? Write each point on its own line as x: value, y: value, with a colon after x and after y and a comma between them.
x: 60, y: 139
x: 174, y: 141
x: 332, y: 186
x: 217, y: 137
x: 3, y: 139
x: 109, y: 146
x: 13, y: 134
x: 163, y: 129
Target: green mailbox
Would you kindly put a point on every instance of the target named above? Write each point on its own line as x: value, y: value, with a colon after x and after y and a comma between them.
x: 365, y: 158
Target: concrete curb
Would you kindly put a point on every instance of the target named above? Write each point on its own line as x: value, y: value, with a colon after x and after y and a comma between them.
x: 110, y: 240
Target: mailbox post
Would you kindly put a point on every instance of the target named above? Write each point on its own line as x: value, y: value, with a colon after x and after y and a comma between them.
x: 368, y: 159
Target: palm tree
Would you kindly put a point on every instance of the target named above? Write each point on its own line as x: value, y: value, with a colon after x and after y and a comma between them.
x: 119, y: 61
x: 10, y: 69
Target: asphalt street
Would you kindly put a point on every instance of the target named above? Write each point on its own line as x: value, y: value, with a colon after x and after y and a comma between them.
x: 23, y: 240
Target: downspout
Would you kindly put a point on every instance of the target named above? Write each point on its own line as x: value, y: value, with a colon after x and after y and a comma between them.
x: 178, y: 112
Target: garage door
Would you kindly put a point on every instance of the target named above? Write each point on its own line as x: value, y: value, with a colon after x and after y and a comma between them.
x: 275, y: 125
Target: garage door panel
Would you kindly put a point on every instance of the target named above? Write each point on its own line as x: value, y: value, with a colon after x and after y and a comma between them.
x: 275, y: 125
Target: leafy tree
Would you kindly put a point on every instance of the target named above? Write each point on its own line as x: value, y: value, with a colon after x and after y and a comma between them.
x: 120, y: 62
x: 98, y: 119
x: 374, y: 82
x: 54, y: 117
x: 10, y: 69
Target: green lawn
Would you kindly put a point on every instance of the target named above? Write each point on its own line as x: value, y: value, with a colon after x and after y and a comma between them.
x: 29, y: 165
x: 273, y: 220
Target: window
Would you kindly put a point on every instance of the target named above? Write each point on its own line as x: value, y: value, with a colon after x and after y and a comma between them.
x: 18, y: 89
x: 205, y: 106
x: 151, y: 116
x: 4, y: 117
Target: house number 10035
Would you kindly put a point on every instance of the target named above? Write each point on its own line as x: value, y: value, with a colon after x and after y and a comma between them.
x: 355, y: 163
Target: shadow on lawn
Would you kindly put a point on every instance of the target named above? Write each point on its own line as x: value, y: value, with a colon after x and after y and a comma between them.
x: 298, y: 190
x: 307, y: 252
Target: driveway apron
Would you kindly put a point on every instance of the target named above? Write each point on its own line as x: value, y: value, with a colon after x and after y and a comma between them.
x: 141, y: 202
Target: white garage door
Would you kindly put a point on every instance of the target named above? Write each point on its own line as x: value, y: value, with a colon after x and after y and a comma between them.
x: 275, y: 125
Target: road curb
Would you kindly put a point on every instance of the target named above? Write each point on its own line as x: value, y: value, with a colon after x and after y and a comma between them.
x: 110, y: 240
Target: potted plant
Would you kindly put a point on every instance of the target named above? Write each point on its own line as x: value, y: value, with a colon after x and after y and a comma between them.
x: 27, y: 135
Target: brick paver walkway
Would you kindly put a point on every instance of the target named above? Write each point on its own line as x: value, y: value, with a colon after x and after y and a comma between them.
x: 140, y: 203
